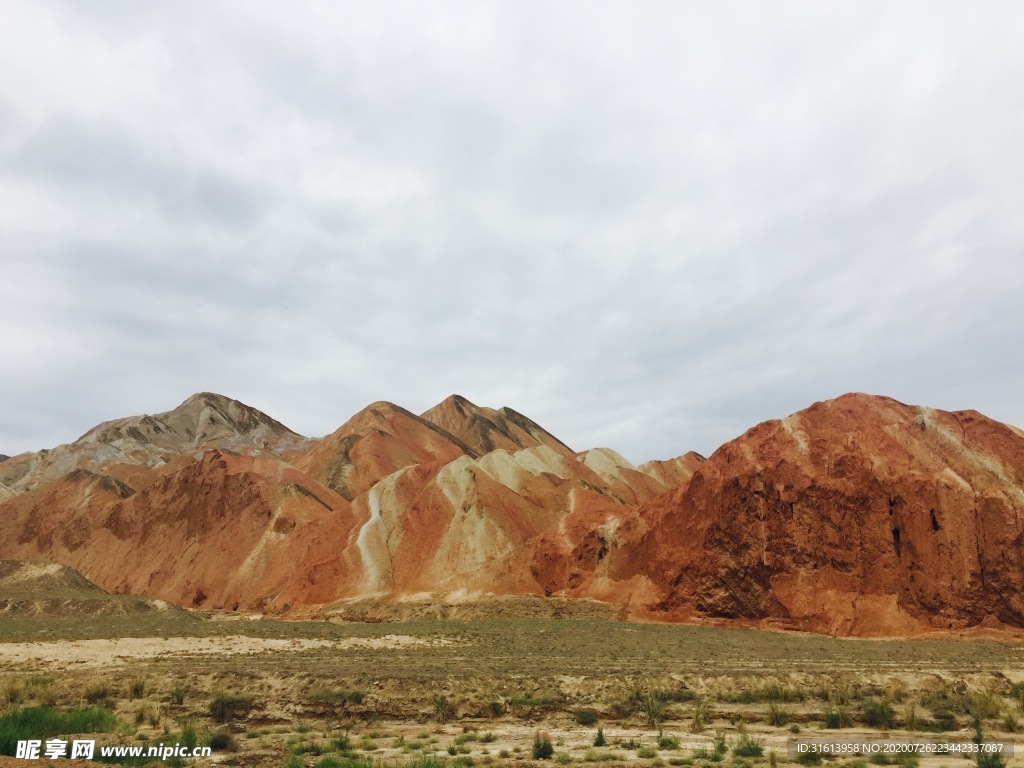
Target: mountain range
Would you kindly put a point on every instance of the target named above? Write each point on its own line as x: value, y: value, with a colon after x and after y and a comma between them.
x: 859, y: 516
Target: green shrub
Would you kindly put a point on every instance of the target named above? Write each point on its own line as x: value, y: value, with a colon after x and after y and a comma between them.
x: 178, y: 696
x: 983, y: 706
x: 985, y: 759
x: 542, y: 747
x: 747, y: 747
x: 809, y: 758
x: 942, y: 720
x: 98, y: 693
x: 226, y: 707
x: 878, y: 713
x: 667, y: 742
x: 910, y: 719
x: 777, y: 715
x: 835, y: 718
x: 721, y: 744
x: 646, y: 752
x: 700, y: 713
x: 599, y: 739
x: 137, y: 688
x: 586, y: 717
x: 773, y: 692
x: 223, y: 741
x: 443, y: 709
x: 653, y: 705
x: 189, y: 736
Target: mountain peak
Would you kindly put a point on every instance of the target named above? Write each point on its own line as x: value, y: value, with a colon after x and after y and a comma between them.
x: 486, y: 429
x: 204, y: 421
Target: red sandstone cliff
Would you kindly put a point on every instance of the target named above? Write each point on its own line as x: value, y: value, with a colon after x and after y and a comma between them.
x: 856, y: 516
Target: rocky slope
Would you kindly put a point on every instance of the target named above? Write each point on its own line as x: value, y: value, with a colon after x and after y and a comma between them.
x: 487, y: 429
x: 390, y: 504
x: 40, y: 588
x: 857, y: 516
x: 204, y: 421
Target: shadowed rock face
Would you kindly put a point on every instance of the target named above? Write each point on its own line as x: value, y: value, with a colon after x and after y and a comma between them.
x: 857, y: 516
x: 487, y: 429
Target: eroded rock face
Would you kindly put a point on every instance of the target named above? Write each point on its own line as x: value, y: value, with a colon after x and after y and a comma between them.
x: 205, y: 421
x: 857, y: 516
x: 487, y: 429
x: 389, y: 505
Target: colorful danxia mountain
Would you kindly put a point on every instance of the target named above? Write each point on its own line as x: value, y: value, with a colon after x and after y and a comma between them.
x: 859, y: 516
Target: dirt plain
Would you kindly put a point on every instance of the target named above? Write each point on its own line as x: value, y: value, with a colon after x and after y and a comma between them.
x: 479, y: 691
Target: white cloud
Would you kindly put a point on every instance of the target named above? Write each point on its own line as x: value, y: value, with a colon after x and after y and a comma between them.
x: 646, y: 225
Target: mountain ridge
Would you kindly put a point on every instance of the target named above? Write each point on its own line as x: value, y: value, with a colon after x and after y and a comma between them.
x: 858, y: 516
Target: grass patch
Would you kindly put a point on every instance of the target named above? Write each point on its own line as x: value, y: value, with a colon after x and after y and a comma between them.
x: 43, y: 723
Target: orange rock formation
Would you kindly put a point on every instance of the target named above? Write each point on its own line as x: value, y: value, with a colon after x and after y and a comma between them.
x: 857, y: 516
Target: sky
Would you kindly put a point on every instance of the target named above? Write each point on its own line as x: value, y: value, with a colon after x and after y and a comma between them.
x: 645, y: 225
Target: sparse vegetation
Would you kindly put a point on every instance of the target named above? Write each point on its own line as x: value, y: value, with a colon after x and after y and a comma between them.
x: 443, y: 709
x: 878, y: 713
x: 98, y: 694
x: 543, y: 749
x: 226, y: 707
x: 985, y: 758
x: 745, y: 746
x: 809, y: 758
x: 700, y: 711
x: 137, y: 688
x: 586, y: 717
x: 653, y: 707
x: 535, y: 674
x: 836, y: 717
x: 777, y: 715
x: 667, y: 742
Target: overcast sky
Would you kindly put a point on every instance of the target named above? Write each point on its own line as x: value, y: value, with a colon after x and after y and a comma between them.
x: 645, y: 225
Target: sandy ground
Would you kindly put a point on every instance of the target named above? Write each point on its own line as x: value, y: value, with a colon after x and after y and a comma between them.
x: 85, y: 654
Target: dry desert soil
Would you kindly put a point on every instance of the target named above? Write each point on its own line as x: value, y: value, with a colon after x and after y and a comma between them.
x: 456, y: 693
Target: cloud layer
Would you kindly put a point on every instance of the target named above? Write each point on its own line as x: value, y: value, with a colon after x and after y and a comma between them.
x: 647, y: 225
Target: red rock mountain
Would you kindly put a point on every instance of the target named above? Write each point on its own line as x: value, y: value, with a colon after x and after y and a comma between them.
x: 486, y: 429
x: 857, y: 516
